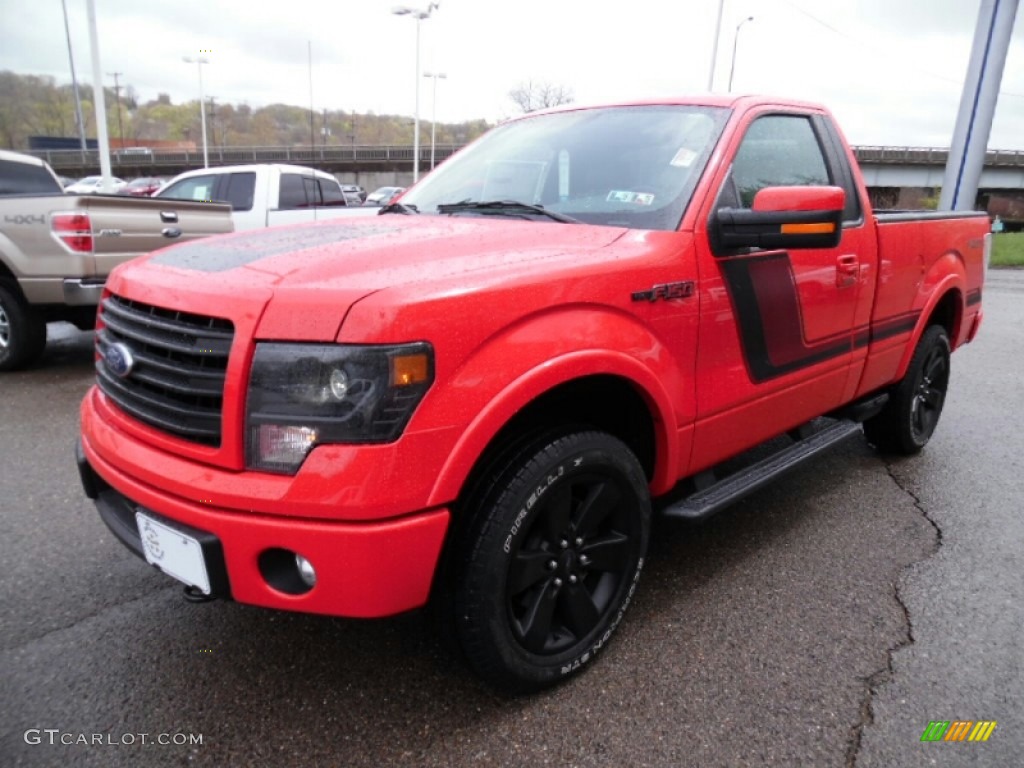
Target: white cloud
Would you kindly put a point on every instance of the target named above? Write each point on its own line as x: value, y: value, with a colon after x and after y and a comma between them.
x: 891, y: 71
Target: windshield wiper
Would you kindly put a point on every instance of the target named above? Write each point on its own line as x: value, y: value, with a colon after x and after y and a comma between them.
x: 398, y: 208
x: 505, y: 206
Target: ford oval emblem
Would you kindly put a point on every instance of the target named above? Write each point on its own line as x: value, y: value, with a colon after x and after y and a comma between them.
x: 119, y: 359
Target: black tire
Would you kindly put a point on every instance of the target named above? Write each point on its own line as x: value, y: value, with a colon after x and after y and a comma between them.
x: 22, y: 330
x: 908, y: 420
x: 551, y: 559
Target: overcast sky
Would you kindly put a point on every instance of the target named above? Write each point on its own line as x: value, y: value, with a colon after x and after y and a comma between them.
x: 891, y: 70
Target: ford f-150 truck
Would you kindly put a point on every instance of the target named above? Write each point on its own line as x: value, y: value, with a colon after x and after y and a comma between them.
x: 56, y: 250
x: 266, y: 195
x: 478, y: 399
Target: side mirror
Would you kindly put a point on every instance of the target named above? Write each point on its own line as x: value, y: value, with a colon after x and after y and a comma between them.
x: 781, y: 217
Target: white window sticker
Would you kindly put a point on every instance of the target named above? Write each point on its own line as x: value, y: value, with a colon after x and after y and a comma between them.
x: 683, y: 158
x: 620, y: 196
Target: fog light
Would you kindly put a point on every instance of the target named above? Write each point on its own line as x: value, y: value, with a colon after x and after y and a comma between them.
x: 306, y: 572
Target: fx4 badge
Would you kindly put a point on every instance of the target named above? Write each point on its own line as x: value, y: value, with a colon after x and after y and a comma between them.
x: 666, y: 291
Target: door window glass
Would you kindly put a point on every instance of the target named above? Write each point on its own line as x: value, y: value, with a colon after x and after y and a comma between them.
x: 778, y: 151
x: 331, y: 193
x: 241, y: 188
x: 293, y: 194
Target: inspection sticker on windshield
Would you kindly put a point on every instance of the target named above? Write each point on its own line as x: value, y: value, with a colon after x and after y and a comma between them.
x: 624, y: 196
x: 683, y: 158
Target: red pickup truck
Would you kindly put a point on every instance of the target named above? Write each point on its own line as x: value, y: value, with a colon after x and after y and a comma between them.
x: 479, y: 398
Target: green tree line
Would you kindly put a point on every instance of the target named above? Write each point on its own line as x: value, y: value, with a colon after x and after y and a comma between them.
x: 33, y: 105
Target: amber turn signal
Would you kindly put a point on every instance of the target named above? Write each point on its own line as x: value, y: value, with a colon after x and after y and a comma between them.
x: 409, y: 369
x: 821, y: 228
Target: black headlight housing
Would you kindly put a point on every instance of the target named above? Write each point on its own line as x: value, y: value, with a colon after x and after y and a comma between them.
x: 301, y: 395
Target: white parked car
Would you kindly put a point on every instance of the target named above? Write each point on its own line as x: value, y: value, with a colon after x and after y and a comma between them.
x: 91, y: 185
x: 265, y: 195
x: 383, y: 196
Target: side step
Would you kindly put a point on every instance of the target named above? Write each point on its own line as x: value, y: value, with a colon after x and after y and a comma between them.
x: 704, y: 503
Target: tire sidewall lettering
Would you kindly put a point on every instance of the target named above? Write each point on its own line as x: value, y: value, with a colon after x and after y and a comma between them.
x: 588, y: 655
x: 523, y: 516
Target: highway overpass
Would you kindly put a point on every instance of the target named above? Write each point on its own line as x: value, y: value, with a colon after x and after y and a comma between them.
x: 896, y: 176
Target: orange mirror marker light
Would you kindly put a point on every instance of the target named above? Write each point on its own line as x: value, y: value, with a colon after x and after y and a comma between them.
x: 823, y: 228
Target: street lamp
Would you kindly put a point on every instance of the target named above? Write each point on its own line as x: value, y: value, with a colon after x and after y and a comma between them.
x: 433, y: 115
x: 202, y: 104
x: 735, y: 42
x: 419, y: 15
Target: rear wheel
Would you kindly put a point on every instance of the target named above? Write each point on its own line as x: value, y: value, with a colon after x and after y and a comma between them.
x: 22, y: 330
x: 551, y: 558
x: 908, y: 420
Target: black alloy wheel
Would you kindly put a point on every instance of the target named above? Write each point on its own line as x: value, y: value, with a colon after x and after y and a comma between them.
x: 909, y: 419
x: 555, y: 551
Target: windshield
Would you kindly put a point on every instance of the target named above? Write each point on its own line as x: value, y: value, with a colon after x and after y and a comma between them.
x: 620, y: 166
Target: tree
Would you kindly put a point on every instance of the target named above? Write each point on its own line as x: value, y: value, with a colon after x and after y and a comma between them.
x: 531, y: 96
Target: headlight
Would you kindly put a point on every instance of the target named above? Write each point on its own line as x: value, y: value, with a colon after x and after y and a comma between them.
x: 301, y: 395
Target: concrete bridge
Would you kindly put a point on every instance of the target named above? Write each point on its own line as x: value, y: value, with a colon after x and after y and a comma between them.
x: 896, y: 176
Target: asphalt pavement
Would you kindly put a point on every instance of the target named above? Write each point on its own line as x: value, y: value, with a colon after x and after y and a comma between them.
x: 822, y: 622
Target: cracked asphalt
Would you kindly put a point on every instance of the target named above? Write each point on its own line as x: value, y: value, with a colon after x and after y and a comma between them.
x: 824, y: 621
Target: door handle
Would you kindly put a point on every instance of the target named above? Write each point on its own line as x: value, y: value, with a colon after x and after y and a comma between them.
x: 847, y: 270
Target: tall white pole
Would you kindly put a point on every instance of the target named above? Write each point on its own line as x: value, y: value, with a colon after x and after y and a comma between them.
x: 98, y: 100
x: 416, y: 121
x: 714, y: 46
x: 433, y: 122
x: 202, y: 114
x: 79, y: 121
x: 977, y: 105
x: 433, y: 117
x: 735, y: 44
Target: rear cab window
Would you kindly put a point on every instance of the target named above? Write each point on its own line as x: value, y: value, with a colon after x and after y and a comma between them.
x: 239, y: 189
x: 196, y: 188
x: 26, y: 179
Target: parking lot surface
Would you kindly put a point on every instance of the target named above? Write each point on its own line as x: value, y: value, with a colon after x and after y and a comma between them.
x: 824, y: 621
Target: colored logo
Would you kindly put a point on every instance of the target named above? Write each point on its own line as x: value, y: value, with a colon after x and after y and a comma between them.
x: 119, y: 359
x: 958, y: 730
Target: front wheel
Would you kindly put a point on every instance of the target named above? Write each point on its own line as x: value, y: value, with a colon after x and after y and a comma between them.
x: 551, y: 559
x: 908, y: 420
x: 22, y: 330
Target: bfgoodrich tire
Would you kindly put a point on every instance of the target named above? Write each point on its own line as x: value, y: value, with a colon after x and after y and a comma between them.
x: 907, y: 422
x: 22, y: 330
x: 551, y: 559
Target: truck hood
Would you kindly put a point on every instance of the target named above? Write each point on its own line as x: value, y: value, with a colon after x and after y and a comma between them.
x: 303, y: 279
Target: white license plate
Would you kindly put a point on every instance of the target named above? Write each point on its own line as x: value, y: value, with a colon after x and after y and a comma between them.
x: 173, y: 552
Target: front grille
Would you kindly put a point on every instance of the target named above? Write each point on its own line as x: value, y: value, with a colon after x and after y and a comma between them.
x: 173, y: 375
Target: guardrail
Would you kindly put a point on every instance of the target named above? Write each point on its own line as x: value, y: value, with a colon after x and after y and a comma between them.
x: 368, y: 156
x: 363, y: 155
x: 931, y: 156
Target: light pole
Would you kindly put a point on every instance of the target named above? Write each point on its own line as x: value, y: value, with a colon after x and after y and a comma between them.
x: 117, y: 96
x: 419, y: 15
x: 199, y: 61
x: 735, y: 42
x: 714, y: 45
x: 433, y: 114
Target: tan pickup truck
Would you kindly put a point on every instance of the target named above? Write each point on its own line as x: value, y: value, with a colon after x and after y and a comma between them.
x: 56, y: 250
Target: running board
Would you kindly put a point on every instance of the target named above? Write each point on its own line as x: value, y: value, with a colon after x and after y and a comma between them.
x: 702, y: 504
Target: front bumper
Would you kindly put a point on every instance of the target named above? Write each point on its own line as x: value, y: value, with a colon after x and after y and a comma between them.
x: 363, y: 569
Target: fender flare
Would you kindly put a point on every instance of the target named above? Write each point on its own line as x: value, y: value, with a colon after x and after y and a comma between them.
x: 948, y: 275
x: 543, y: 376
